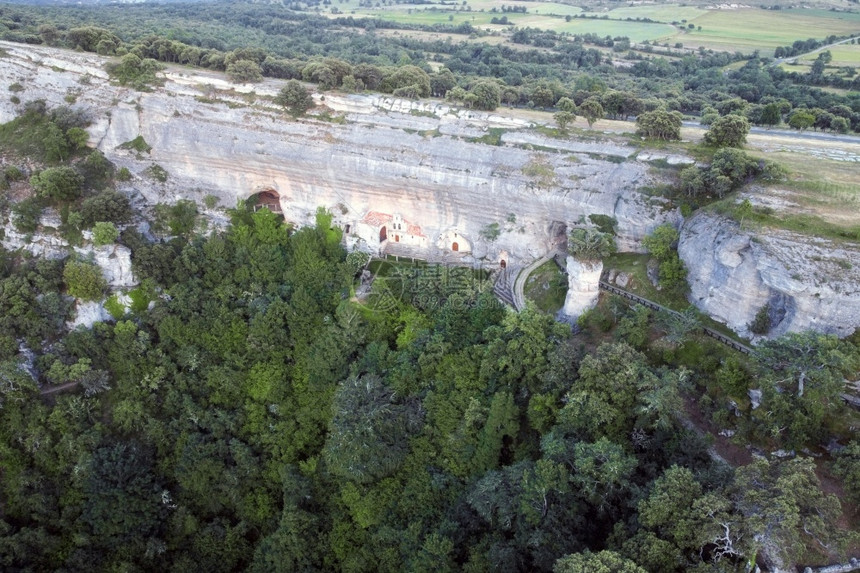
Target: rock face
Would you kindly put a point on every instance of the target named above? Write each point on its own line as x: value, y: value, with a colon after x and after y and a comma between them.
x: 87, y: 314
x: 114, y: 260
x: 115, y: 263
x: 447, y: 172
x: 481, y: 186
x: 808, y: 283
x: 583, y: 287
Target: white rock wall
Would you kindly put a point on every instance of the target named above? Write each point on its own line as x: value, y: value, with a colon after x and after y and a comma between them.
x: 810, y: 283
x: 383, y: 158
x: 583, y: 288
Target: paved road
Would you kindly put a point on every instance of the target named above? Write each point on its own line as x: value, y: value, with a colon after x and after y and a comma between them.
x: 799, y: 135
x: 777, y: 61
x: 520, y: 282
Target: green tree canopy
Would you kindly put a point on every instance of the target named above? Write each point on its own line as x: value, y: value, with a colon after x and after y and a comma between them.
x: 563, y: 118
x: 244, y: 71
x: 369, y: 431
x: 602, y: 562
x: 104, y: 233
x: 592, y: 110
x: 590, y: 244
x: 786, y: 508
x: 295, y: 98
x: 488, y: 95
x: 84, y: 280
x: 659, y: 124
x: 771, y: 114
x: 407, y: 81
x: 728, y: 131
x: 58, y: 183
x: 801, y: 119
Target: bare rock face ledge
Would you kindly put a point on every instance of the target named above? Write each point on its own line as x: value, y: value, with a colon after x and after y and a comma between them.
x: 806, y: 282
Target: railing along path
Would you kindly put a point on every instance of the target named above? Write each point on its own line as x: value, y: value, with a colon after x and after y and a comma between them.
x: 653, y: 305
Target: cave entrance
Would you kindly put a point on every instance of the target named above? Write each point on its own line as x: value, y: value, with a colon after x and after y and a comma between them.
x: 558, y: 233
x: 383, y: 234
x: 268, y: 199
x: 455, y: 247
x: 503, y: 263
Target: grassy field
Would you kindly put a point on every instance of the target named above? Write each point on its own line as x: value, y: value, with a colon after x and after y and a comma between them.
x: 532, y: 7
x: 744, y: 29
x: 820, y: 187
x: 820, y: 198
x: 552, y: 19
x: 636, y: 31
x: 543, y: 15
x: 749, y: 29
x: 659, y: 13
x: 843, y: 55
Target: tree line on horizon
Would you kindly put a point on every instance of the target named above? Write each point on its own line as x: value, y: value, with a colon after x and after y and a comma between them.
x: 250, y: 41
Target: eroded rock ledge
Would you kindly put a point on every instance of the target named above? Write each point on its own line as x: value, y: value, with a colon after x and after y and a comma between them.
x: 807, y: 282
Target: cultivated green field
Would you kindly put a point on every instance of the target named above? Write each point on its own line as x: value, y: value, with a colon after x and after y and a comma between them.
x: 532, y: 7
x: 636, y: 31
x: 843, y: 55
x: 744, y: 29
x: 661, y: 13
x: 751, y: 29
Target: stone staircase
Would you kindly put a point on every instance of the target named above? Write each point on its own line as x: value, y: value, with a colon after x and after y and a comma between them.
x: 504, y: 285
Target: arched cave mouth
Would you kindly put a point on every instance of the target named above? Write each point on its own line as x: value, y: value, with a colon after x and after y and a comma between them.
x: 268, y: 199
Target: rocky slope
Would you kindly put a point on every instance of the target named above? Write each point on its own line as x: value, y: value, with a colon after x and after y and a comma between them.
x: 807, y: 283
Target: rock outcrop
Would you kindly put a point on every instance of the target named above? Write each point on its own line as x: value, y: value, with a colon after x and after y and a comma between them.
x: 807, y: 282
x: 583, y: 286
x: 115, y: 263
x: 87, y: 314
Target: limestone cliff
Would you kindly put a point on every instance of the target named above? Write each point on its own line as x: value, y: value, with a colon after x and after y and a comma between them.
x: 808, y: 283
x: 486, y: 187
x: 447, y: 172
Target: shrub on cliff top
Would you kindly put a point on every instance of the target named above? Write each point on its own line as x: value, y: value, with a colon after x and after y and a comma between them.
x: 295, y: 98
x: 84, y: 280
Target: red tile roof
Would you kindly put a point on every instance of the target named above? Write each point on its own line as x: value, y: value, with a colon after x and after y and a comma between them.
x: 376, y: 219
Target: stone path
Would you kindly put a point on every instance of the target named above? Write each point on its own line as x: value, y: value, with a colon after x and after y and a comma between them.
x: 504, y: 286
x: 520, y: 283
x: 653, y: 305
x: 428, y: 254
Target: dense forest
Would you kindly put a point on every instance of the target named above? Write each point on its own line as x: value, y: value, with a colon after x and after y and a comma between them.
x: 540, y: 67
x: 244, y: 411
